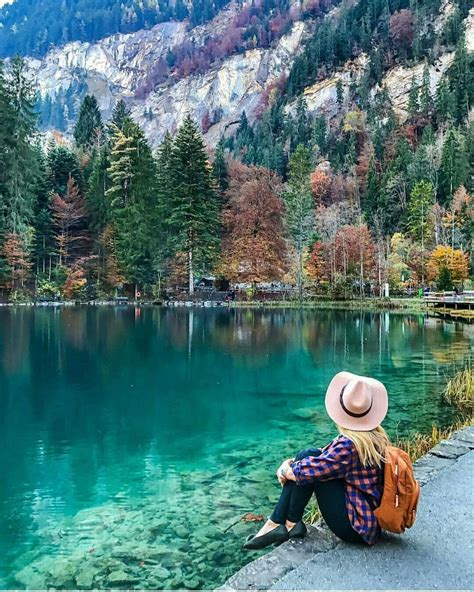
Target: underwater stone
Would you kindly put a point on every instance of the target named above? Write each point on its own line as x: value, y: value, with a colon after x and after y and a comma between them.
x: 31, y: 579
x: 120, y: 577
x: 161, y: 573
x: 181, y: 531
x: 304, y: 413
x: 192, y: 583
x: 85, y: 577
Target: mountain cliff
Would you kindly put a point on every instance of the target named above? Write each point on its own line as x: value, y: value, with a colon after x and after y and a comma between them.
x: 117, y: 67
x: 141, y: 68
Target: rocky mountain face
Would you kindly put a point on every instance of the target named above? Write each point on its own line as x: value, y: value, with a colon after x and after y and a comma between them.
x: 116, y: 66
x: 321, y: 97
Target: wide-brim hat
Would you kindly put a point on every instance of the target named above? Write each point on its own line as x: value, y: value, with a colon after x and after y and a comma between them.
x: 356, y: 402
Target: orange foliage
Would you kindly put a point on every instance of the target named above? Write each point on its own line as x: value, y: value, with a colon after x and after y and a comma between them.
x: 17, y: 259
x: 320, y: 185
x: 453, y: 259
x: 254, y: 249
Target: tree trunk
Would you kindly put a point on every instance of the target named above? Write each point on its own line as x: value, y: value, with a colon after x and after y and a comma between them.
x: 191, y: 272
x: 300, y: 276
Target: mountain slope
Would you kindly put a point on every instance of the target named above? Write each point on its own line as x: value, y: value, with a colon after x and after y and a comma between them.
x: 32, y: 27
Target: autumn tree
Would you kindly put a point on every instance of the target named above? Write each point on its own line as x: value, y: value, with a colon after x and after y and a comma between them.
x: 69, y: 213
x: 15, y: 252
x: 320, y: 185
x: 454, y: 260
x: 254, y: 249
x: 402, y: 30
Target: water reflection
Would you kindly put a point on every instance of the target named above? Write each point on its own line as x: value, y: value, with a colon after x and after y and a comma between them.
x: 101, y: 405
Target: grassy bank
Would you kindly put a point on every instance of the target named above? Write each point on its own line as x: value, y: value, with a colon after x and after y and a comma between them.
x: 407, y: 304
x: 459, y: 392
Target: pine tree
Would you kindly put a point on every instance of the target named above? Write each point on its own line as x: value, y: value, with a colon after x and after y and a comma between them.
x: 44, y: 243
x: 220, y: 169
x: 454, y: 165
x: 444, y: 281
x: 462, y: 81
x: 339, y: 93
x: 425, y: 99
x: 193, y: 220
x: 413, y: 98
x: 97, y: 188
x: 62, y: 164
x: 444, y: 102
x: 19, y: 176
x: 119, y: 115
x: 132, y: 196
x: 419, y: 217
x: 89, y: 127
x: 299, y: 212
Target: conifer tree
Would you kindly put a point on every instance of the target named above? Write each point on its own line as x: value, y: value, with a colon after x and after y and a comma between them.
x: 220, y: 169
x: 44, y: 244
x: 299, y: 212
x: 419, y: 217
x: 454, y: 165
x: 89, y: 126
x: 62, y: 164
x: 193, y: 221
x: 462, y: 81
x: 413, y: 98
x: 425, y: 99
x: 132, y: 195
x: 97, y: 188
x: 119, y: 115
x: 19, y: 176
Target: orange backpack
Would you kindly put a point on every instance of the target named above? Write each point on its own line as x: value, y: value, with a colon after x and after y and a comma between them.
x: 401, y: 492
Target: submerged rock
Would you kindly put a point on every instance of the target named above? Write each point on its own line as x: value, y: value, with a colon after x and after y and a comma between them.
x: 305, y: 413
x: 118, y: 577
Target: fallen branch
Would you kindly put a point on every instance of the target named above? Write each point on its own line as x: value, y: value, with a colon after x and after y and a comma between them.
x: 248, y: 517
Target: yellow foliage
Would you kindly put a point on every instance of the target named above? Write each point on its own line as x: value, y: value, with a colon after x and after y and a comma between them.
x: 453, y: 259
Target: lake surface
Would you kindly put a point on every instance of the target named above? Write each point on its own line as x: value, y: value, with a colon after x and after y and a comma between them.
x: 130, y: 439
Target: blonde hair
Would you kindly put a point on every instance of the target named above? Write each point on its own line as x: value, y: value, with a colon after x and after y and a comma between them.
x: 370, y: 446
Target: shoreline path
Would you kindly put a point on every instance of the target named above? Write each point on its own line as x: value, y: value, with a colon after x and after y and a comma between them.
x: 437, y: 553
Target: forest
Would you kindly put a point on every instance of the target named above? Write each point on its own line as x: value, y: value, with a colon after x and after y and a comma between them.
x: 32, y: 28
x: 331, y: 206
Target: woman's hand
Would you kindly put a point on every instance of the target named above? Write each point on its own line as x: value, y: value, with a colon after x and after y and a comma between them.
x: 285, y: 472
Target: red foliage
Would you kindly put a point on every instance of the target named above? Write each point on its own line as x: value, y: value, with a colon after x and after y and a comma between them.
x: 320, y: 184
x: 205, y: 122
x: 17, y: 259
x: 350, y: 254
x: 402, y: 29
x: 69, y: 213
x: 254, y: 249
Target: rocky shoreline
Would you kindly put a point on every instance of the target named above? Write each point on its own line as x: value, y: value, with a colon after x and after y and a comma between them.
x: 266, y: 571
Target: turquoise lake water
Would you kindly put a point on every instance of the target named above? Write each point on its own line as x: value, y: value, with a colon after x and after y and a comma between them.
x: 130, y: 439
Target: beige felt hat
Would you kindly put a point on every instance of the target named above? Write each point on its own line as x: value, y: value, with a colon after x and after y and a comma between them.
x: 356, y: 402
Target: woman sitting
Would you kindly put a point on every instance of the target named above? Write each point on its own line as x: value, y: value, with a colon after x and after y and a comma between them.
x: 346, y: 475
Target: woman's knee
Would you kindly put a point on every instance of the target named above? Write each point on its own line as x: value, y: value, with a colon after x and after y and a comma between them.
x: 307, y: 452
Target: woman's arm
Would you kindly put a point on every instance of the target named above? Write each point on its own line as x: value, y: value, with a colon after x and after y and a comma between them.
x: 285, y: 472
x: 332, y: 463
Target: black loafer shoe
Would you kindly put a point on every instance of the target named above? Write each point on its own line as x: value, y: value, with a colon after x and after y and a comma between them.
x: 299, y: 531
x: 275, y: 537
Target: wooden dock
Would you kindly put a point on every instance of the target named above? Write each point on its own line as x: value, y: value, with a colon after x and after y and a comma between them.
x: 450, y: 304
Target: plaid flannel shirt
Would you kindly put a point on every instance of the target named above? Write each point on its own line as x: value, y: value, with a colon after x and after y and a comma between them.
x: 340, y: 460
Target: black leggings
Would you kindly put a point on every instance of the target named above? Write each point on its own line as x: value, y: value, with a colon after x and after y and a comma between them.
x: 331, y: 501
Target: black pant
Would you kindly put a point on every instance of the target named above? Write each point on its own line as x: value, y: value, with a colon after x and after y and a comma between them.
x: 331, y: 501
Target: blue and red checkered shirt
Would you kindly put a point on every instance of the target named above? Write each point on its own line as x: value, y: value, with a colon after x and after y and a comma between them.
x: 340, y: 460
